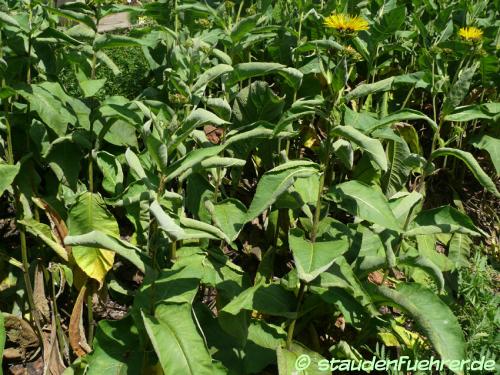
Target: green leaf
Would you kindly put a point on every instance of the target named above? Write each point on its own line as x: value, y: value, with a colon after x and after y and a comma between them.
x: 90, y: 87
x: 394, y: 180
x: 75, y: 16
x: 44, y: 232
x: 372, y: 146
x: 275, y: 182
x: 209, y: 75
x: 443, y: 219
x: 99, y: 240
x: 166, y: 223
x: 313, y: 258
x: 472, y: 164
x: 158, y: 151
x: 294, y: 360
x: 488, y: 111
x: 116, y: 41
x: 458, y: 90
x: 255, y: 103
x: 190, y: 160
x: 112, y: 172
x: 244, y: 27
x: 257, y: 298
x: 402, y: 115
x: 7, y: 175
x: 196, y: 118
x: 8, y: 20
x: 434, y: 318
x: 228, y: 215
x: 176, y: 340
x: 64, y: 158
x: 491, y: 145
x: 459, y: 250
x: 88, y: 214
x: 365, y: 202
x: 245, y: 71
x: 116, y: 346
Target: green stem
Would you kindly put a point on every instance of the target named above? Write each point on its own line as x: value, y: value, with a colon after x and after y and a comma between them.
x: 291, y: 328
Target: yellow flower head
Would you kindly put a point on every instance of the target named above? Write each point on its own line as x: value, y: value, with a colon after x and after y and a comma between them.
x: 346, y: 23
x: 471, y: 33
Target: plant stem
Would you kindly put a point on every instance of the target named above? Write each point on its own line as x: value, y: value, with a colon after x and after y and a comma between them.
x: 291, y: 328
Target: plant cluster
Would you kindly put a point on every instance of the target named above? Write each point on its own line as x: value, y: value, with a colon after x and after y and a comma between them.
x: 282, y: 178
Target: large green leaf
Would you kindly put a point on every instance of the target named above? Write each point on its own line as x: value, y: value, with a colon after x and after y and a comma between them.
x: 372, y: 146
x: 177, y: 342
x: 313, y: 258
x: 433, y: 316
x: 7, y: 175
x: 472, y: 164
x: 88, y: 214
x: 255, y: 103
x: 258, y: 297
x: 275, y: 182
x: 74, y: 15
x: 365, y: 202
x: 116, y: 346
x: 443, y: 219
x: 488, y: 111
x: 228, y: 215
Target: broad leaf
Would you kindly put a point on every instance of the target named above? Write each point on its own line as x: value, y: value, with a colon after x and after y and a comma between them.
x: 365, y: 202
x: 275, y: 182
x: 88, y: 214
x: 177, y: 342
x: 7, y: 175
x: 313, y: 258
x: 372, y: 146
x: 491, y: 145
x: 443, y: 219
x: 433, y: 316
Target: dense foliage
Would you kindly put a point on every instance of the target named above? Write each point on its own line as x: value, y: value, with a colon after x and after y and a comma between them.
x: 228, y: 186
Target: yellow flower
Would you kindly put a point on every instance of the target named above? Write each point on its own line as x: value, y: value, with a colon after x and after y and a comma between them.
x: 346, y: 23
x: 471, y: 33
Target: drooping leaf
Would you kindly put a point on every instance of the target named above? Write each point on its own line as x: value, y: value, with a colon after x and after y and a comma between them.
x: 433, y: 316
x: 275, y: 182
x: 372, y: 146
x: 472, y: 164
x: 491, y: 145
x: 176, y: 340
x: 443, y: 219
x: 99, y: 240
x: 365, y: 202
